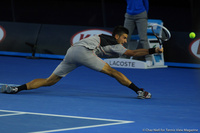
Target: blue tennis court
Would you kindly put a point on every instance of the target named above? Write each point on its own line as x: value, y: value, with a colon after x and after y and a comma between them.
x: 90, y: 102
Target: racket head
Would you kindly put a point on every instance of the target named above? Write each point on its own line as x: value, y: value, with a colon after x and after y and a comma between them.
x: 160, y: 32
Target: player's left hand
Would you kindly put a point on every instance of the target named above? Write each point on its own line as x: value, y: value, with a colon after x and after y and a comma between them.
x: 158, y: 50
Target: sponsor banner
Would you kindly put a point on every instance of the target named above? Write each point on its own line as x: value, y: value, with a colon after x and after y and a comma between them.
x: 2, y: 33
x: 125, y: 63
x: 195, y: 48
x: 130, y: 63
x: 87, y: 33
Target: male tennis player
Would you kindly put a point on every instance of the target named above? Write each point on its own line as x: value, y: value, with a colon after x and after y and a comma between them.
x: 87, y: 52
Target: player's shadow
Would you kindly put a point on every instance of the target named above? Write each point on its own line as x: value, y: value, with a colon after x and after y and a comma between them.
x: 78, y: 94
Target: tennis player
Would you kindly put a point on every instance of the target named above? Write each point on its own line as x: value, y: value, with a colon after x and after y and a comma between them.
x: 87, y: 52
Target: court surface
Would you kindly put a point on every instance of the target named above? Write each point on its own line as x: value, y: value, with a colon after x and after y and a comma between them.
x: 90, y: 102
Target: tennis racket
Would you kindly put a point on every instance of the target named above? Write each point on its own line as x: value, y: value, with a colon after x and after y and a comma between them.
x: 161, y: 33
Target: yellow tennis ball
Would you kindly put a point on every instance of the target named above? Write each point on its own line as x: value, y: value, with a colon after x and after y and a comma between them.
x: 192, y: 35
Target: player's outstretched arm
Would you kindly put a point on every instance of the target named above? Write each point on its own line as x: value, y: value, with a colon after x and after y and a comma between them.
x: 143, y: 52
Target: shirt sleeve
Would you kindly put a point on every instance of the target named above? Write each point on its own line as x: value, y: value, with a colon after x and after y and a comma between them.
x: 115, y: 49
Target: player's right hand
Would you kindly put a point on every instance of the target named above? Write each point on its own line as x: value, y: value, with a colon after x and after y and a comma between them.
x: 158, y: 50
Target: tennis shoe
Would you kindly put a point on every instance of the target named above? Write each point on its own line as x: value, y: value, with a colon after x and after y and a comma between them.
x: 9, y: 89
x: 143, y: 94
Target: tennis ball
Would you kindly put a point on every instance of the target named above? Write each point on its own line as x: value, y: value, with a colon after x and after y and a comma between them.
x: 192, y: 35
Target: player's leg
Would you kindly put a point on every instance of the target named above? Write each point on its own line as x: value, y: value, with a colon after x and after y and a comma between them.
x: 61, y: 70
x: 121, y: 78
x: 89, y: 59
x: 36, y: 83
x: 65, y: 67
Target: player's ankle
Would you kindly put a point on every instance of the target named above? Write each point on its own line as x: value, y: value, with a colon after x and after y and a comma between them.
x: 22, y: 87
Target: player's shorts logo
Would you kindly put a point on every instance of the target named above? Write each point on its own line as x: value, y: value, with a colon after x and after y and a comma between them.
x: 195, y: 48
x: 87, y: 33
x: 2, y: 33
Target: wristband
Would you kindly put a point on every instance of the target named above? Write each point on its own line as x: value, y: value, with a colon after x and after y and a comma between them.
x: 152, y: 50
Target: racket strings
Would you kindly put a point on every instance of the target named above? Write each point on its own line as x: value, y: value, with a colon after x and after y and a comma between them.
x: 161, y: 32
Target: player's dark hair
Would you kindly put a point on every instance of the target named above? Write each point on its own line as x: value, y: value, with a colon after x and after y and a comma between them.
x: 120, y: 30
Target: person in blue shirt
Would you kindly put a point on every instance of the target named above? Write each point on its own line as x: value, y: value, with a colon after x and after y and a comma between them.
x: 136, y: 17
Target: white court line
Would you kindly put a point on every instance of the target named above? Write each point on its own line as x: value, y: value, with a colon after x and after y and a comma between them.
x: 117, y: 122
x: 11, y: 114
x: 68, y: 116
x: 75, y: 128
